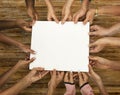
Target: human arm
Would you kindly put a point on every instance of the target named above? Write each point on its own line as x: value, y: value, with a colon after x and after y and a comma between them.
x: 69, y: 84
x: 51, y: 12
x: 104, y: 10
x: 31, y: 10
x: 98, y: 45
x: 56, y: 78
x: 10, y: 41
x: 22, y: 63
x: 97, y: 30
x: 82, y: 11
x: 102, y: 63
x: 97, y: 79
x: 66, y: 11
x: 85, y: 88
x: 19, y: 23
x: 34, y: 75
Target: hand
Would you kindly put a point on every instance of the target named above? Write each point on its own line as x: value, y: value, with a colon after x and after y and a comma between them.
x: 33, y: 14
x: 98, y: 45
x: 99, y: 62
x: 36, y: 74
x: 26, y: 49
x: 99, y: 31
x: 80, y: 14
x: 83, y: 78
x: 66, y: 14
x: 69, y: 77
x: 93, y: 75
x: 89, y: 16
x: 69, y: 84
x: 24, y: 63
x: 56, y: 78
x: 24, y: 25
x: 51, y: 15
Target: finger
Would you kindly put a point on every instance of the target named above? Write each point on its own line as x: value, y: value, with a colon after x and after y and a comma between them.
x: 66, y: 77
x: 94, y: 27
x: 64, y: 19
x: 80, y: 78
x: 54, y: 74
x: 92, y: 33
x: 44, y: 73
x: 77, y: 18
x: 71, y: 77
x: 30, y: 51
x: 31, y: 60
x: 27, y: 29
x: 56, y: 20
x: 70, y: 18
x: 49, y: 19
x: 86, y: 20
x: 85, y: 77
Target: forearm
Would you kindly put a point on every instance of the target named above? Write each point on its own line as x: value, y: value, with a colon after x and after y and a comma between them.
x: 114, y: 65
x: 51, y: 90
x: 9, y: 40
x: 69, y: 3
x: 112, y: 41
x: 17, y: 88
x: 115, y: 28
x: 49, y: 4
x: 8, y: 24
x: 109, y: 10
x: 85, y: 4
x: 101, y: 87
x: 4, y: 77
x: 30, y: 4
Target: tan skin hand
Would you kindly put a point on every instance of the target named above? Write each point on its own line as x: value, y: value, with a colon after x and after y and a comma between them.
x: 33, y: 14
x: 56, y: 78
x: 83, y: 78
x: 99, y: 62
x: 80, y: 14
x: 26, y: 49
x: 36, y: 74
x: 69, y: 77
x: 24, y: 63
x: 97, y: 30
x: 98, y: 45
x: 24, y: 25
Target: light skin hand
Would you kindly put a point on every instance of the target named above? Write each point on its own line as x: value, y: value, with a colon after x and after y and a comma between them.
x: 51, y: 15
x: 80, y: 14
x: 89, y: 16
x: 56, y: 78
x: 97, y: 30
x: 70, y: 88
x: 98, y: 45
x: 103, y: 42
x: 51, y: 12
x: 83, y: 78
x: 99, y: 62
x: 66, y: 11
x: 69, y: 77
x: 98, y: 80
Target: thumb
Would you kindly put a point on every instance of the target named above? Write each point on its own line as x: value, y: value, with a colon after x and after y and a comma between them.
x: 64, y: 19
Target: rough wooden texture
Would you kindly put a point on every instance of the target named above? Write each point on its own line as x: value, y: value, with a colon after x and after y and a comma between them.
x: 9, y: 55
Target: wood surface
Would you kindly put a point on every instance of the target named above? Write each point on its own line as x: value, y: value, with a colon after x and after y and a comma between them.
x: 9, y: 55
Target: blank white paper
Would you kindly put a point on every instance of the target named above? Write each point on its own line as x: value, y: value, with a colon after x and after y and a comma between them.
x: 61, y: 47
